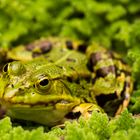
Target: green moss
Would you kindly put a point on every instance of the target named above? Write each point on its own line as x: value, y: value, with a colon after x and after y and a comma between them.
x: 98, y: 127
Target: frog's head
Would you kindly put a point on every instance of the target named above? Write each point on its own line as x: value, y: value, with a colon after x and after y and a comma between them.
x: 35, y: 93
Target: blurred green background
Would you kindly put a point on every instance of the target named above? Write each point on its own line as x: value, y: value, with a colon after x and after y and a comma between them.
x: 113, y: 23
x: 109, y: 22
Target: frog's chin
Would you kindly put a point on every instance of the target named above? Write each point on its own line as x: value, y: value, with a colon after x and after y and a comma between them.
x: 47, y: 114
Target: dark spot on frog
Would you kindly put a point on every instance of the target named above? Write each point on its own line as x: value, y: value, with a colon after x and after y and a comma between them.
x: 94, y: 58
x: 104, y: 71
x: 69, y: 44
x: 73, y: 115
x: 71, y: 60
x: 45, y: 46
x: 30, y: 47
x: 82, y: 47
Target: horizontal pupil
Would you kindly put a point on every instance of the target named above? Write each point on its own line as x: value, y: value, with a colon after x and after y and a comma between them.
x: 44, y: 82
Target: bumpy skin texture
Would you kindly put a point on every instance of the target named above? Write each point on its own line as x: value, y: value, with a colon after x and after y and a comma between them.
x: 54, y: 81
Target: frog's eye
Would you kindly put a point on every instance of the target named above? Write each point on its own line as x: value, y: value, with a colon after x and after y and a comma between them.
x: 5, y: 68
x: 43, y: 85
x: 44, y: 82
x: 14, y: 68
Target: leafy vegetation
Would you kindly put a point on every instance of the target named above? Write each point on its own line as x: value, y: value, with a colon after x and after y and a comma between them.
x: 115, y: 24
x: 109, y: 22
x: 98, y: 127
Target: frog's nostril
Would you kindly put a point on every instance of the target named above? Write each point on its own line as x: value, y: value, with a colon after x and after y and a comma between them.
x: 20, y: 89
x: 12, y: 86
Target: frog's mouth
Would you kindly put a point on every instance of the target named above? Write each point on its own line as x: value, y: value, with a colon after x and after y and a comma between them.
x: 48, y: 101
x: 40, y: 104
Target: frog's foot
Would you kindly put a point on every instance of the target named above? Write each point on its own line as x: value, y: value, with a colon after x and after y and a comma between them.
x: 86, y: 109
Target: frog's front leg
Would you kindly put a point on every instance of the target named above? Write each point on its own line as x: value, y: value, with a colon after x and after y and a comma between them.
x: 86, y: 109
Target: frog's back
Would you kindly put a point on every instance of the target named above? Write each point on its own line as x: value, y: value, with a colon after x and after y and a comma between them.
x: 62, y: 54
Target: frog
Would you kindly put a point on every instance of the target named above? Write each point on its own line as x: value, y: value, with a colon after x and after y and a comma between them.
x: 53, y: 80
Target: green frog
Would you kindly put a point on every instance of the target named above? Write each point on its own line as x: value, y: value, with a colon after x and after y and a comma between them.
x: 53, y: 80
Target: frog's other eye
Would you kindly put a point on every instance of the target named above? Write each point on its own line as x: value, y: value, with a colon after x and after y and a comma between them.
x: 14, y: 68
x: 5, y: 68
x: 43, y: 85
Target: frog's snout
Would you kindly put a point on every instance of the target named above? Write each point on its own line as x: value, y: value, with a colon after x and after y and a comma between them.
x: 10, y: 93
x: 14, y: 90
